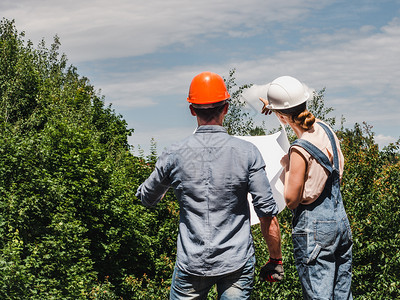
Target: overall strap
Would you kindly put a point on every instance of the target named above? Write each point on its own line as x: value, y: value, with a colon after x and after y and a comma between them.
x: 315, y: 152
x: 326, y: 163
x: 333, y: 144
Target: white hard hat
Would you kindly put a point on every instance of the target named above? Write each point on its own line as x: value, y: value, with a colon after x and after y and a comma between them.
x: 286, y: 92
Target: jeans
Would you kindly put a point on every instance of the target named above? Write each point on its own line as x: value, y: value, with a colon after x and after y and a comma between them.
x: 233, y: 286
x: 322, y: 245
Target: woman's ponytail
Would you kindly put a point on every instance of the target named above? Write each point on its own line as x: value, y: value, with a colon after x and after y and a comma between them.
x: 305, y: 119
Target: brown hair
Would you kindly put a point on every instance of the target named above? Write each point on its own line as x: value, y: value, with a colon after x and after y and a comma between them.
x: 305, y: 119
x: 209, y: 114
x: 299, y: 115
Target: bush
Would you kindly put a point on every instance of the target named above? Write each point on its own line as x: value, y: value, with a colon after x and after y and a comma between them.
x: 371, y: 186
x: 68, y: 215
x: 71, y: 227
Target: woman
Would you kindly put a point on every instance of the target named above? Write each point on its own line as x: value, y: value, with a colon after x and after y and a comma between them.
x: 321, y: 232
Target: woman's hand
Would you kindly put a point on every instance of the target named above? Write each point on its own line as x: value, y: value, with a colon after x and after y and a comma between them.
x: 265, y: 110
x: 285, y: 161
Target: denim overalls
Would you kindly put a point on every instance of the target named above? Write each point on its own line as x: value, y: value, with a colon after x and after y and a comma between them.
x: 321, y: 235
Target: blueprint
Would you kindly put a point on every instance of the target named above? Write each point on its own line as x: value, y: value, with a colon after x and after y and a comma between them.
x: 272, y: 147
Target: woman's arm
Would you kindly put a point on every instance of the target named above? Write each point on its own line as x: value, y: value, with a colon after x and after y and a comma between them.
x: 295, y: 172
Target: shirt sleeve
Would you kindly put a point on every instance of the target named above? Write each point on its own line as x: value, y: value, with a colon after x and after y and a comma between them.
x: 259, y: 187
x: 152, y: 190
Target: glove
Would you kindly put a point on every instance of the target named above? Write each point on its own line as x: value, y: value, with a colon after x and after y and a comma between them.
x: 272, y: 271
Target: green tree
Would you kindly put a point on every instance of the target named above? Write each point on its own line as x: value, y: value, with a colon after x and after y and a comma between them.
x: 371, y: 193
x: 317, y: 106
x: 70, y: 222
x: 238, y: 121
x: 71, y: 226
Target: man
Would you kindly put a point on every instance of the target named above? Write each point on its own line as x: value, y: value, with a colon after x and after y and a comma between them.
x: 212, y: 173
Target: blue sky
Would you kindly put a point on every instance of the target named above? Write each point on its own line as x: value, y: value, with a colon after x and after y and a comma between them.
x: 142, y: 55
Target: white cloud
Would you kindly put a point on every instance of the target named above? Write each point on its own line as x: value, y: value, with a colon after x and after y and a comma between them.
x: 354, y: 61
x: 138, y: 89
x: 361, y: 72
x: 97, y: 29
x: 145, y: 88
x: 383, y: 140
x: 252, y: 94
x: 360, y: 67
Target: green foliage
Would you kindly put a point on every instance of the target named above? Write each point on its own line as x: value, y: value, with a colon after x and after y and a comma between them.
x: 371, y: 192
x: 316, y: 105
x: 71, y: 227
x: 103, y: 291
x: 290, y: 288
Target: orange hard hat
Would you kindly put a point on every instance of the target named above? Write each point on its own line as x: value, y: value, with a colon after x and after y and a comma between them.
x: 207, y: 88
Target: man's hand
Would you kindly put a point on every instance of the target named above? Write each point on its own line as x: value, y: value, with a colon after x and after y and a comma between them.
x: 272, y: 271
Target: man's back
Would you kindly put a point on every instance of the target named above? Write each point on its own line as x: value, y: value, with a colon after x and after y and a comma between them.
x: 212, y: 173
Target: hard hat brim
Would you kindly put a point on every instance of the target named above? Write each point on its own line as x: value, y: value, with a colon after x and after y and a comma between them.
x: 292, y: 110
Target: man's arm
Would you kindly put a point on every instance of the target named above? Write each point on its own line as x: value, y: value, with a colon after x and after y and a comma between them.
x: 273, y: 269
x: 266, y: 210
x: 156, y: 185
x: 272, y: 235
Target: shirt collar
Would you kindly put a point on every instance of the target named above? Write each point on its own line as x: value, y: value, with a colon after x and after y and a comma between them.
x: 210, y: 129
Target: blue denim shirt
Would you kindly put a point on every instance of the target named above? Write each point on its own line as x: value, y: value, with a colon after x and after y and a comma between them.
x: 212, y: 173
